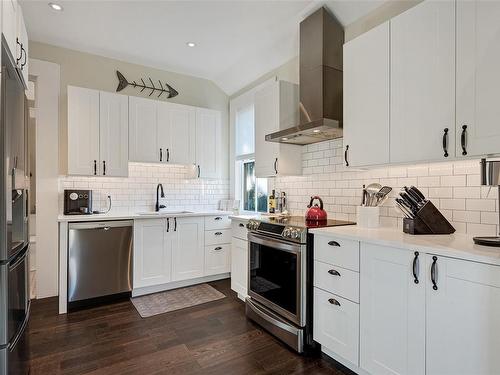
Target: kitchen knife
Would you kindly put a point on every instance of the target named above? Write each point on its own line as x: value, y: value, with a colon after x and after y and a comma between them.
x: 410, y: 202
x: 419, y: 193
x: 414, y: 195
x: 406, y: 211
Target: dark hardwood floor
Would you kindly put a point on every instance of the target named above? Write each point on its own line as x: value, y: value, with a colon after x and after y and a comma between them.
x: 214, y: 338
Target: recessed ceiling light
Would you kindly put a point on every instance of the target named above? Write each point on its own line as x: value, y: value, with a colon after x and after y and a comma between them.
x: 190, y: 44
x: 316, y: 131
x: 284, y: 139
x: 55, y: 6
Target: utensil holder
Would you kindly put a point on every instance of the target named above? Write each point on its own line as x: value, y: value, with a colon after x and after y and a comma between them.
x: 428, y: 220
x: 368, y: 217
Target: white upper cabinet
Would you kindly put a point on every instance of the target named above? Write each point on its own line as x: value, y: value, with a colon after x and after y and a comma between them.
x: 176, y: 133
x: 9, y: 26
x: 188, y: 256
x: 392, y: 311
x: 143, y: 128
x: 423, y: 82
x: 97, y: 133
x: 83, y: 131
x: 463, y: 329
x: 113, y: 130
x: 276, y: 108
x: 23, y: 48
x: 478, y: 77
x: 208, y: 143
x: 366, y: 98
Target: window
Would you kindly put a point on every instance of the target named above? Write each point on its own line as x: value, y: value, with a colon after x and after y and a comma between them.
x: 254, y: 189
x: 251, y: 191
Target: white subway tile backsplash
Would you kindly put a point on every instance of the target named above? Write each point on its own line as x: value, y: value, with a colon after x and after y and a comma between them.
x: 138, y: 191
x: 454, y: 187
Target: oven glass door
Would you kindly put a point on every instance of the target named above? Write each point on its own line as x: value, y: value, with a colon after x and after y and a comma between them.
x: 275, y: 275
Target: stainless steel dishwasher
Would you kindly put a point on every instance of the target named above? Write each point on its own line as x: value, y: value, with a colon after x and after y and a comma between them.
x: 99, y: 259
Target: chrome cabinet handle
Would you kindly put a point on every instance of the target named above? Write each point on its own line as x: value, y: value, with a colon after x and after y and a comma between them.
x: 463, y: 140
x: 433, y: 272
x: 333, y: 301
x: 334, y: 243
x: 415, y: 268
x: 106, y: 228
x: 21, y: 52
x: 199, y: 171
x: 334, y: 272
x: 445, y: 142
x: 276, y: 166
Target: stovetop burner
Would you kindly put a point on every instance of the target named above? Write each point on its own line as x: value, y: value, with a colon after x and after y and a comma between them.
x: 300, y: 221
x: 292, y: 228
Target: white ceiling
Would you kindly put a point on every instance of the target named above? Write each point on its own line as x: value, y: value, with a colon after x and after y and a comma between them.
x: 236, y: 41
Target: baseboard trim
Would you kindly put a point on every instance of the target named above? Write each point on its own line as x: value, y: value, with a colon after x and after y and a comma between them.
x: 177, y: 284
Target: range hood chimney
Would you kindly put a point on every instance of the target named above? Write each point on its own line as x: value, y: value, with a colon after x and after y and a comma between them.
x: 320, y: 59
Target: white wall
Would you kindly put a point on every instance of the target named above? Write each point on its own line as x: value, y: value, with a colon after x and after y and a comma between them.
x: 46, y: 76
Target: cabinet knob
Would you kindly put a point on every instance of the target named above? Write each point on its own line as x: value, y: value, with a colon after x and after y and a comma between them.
x: 241, y: 225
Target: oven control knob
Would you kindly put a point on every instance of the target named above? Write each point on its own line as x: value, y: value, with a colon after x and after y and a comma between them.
x: 295, y: 234
x: 287, y: 233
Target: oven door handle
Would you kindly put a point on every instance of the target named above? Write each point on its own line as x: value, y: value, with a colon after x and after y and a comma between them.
x: 275, y: 243
x: 272, y: 318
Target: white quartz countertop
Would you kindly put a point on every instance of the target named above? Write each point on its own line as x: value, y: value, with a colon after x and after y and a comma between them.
x: 459, y: 246
x: 244, y: 217
x: 141, y: 215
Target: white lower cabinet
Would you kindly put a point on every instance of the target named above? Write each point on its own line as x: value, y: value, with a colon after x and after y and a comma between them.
x: 336, y: 324
x: 188, y: 243
x: 392, y: 319
x: 463, y: 325
x: 217, y: 259
x: 152, y: 253
x: 239, y: 266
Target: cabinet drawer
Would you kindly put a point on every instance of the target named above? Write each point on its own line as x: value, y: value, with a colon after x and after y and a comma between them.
x: 217, y: 222
x: 218, y: 236
x: 239, y: 230
x: 336, y: 325
x: 337, y: 280
x: 336, y: 251
x: 217, y: 259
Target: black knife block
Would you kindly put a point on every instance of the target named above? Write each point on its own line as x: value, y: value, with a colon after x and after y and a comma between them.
x: 428, y: 220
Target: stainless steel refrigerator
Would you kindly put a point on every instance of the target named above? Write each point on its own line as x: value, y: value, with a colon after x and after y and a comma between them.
x: 14, y: 234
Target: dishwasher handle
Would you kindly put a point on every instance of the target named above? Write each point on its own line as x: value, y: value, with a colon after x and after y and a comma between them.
x: 105, y: 225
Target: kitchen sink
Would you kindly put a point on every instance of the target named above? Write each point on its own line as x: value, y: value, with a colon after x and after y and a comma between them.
x: 164, y: 212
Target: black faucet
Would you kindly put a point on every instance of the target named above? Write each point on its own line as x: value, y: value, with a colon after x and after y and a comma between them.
x: 159, y: 188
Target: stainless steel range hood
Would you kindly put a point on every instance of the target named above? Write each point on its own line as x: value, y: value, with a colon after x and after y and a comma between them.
x: 321, y: 42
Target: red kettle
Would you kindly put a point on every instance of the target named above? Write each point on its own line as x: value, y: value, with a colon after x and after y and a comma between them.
x: 315, y: 213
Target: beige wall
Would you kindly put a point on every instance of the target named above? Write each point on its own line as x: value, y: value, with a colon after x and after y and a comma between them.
x: 97, y: 72
x: 289, y: 71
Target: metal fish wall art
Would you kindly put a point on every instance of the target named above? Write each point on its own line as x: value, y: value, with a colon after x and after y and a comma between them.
x: 169, y: 90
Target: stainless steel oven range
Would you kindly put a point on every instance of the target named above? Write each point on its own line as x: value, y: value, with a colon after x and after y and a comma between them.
x: 280, y: 277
